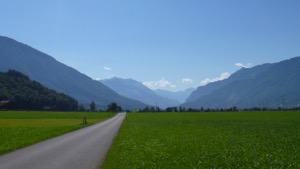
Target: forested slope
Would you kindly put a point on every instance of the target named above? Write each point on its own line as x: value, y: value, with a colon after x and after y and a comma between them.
x: 31, y: 95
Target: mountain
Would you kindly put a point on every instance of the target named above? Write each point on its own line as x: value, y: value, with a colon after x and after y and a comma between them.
x: 22, y: 93
x: 179, y: 96
x: 55, y: 75
x: 242, y: 74
x: 268, y: 85
x: 136, y: 90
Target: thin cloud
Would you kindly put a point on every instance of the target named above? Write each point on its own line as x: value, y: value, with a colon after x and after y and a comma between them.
x: 107, y: 68
x: 159, y: 84
x: 241, y: 65
x: 150, y: 85
x: 223, y: 76
x: 187, y: 81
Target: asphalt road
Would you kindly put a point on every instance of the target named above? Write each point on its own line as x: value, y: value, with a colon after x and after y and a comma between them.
x: 83, y: 149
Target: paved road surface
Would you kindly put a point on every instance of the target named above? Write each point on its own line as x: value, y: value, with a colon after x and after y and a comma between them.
x: 83, y: 149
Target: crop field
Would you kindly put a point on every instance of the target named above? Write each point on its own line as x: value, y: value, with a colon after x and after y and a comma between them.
x: 207, y: 140
x: 20, y: 128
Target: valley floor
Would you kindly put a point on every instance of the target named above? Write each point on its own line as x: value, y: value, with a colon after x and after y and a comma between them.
x: 207, y: 140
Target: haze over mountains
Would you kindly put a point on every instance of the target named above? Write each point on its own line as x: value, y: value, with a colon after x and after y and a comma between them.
x: 268, y: 85
x: 179, y: 96
x: 136, y: 90
x: 55, y: 75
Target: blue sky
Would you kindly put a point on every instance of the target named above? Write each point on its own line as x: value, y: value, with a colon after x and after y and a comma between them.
x: 169, y: 44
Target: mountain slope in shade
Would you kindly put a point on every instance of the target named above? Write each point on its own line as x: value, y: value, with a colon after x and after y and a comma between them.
x: 136, y: 90
x: 179, y: 96
x: 55, y: 75
x: 268, y: 85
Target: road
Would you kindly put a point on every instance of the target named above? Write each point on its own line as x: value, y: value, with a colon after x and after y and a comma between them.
x: 83, y: 149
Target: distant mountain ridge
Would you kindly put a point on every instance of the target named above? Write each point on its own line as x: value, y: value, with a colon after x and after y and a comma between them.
x: 268, y: 85
x: 55, y: 75
x: 136, y: 90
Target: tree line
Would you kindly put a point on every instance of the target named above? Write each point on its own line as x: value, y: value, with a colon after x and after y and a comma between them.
x: 230, y: 109
x: 112, y: 107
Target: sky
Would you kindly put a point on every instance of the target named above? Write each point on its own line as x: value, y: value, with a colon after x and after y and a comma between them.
x: 166, y: 44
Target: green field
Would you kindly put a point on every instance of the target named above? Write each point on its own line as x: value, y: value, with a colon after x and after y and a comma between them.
x: 207, y: 140
x: 20, y: 128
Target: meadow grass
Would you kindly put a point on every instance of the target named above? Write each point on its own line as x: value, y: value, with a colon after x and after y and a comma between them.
x: 207, y: 140
x: 22, y: 128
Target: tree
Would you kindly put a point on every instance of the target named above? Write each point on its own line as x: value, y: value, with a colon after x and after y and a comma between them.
x: 146, y: 109
x: 93, y: 106
x: 152, y: 109
x: 81, y: 108
x: 181, y: 109
x: 171, y: 109
x: 113, y: 107
x: 120, y: 109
